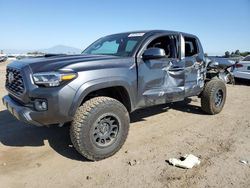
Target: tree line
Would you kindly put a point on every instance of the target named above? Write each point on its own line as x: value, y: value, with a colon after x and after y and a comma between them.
x: 236, y: 53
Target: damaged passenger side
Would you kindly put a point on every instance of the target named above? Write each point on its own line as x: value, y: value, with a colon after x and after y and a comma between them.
x: 165, y: 79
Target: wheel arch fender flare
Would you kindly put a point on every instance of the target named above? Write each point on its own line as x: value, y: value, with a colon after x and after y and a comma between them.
x: 101, y: 83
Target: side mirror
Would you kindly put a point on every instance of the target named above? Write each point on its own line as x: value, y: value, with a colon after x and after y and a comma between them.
x: 154, y: 53
x: 199, y: 58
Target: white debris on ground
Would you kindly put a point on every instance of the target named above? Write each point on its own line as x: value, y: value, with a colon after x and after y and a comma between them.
x: 189, y: 161
x: 243, y: 161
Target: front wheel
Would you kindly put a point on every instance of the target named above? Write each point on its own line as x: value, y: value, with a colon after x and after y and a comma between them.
x: 213, y: 97
x: 99, y: 128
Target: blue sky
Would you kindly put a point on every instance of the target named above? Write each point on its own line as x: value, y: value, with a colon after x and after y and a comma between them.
x: 25, y: 24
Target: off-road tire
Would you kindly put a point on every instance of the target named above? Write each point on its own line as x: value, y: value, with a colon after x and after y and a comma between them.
x: 84, y: 120
x: 208, y: 96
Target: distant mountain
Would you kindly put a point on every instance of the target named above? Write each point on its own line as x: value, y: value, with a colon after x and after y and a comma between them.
x: 59, y: 49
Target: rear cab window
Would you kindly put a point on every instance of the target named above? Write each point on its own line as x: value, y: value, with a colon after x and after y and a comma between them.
x: 191, y: 47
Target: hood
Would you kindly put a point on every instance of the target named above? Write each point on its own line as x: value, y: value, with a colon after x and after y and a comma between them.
x: 74, y: 62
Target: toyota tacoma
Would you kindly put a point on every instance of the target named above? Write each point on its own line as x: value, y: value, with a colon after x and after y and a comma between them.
x: 97, y: 90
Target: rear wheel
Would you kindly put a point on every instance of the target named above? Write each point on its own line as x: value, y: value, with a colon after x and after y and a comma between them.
x: 100, y: 128
x: 213, y: 96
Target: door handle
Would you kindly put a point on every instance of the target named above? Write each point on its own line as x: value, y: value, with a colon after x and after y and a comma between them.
x: 172, y: 67
x: 176, y: 69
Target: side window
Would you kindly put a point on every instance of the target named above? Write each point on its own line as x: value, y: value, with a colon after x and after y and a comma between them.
x: 191, y: 47
x: 168, y: 43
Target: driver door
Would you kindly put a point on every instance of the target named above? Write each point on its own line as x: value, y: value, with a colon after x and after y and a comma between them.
x: 161, y: 80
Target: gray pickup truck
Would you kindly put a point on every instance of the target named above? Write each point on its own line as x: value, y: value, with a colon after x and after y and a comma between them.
x: 95, y: 91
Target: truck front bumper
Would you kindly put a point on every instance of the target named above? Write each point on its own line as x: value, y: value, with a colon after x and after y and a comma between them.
x: 30, y: 116
x: 20, y: 112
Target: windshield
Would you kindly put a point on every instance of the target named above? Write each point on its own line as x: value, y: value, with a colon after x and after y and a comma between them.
x: 118, y: 45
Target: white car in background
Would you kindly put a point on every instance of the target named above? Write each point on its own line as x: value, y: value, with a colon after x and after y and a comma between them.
x: 3, y: 57
x: 242, y: 68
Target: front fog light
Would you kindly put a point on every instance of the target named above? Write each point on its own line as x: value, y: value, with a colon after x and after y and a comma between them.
x: 40, y: 105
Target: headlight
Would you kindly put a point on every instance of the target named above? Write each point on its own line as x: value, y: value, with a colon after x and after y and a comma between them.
x: 52, y: 79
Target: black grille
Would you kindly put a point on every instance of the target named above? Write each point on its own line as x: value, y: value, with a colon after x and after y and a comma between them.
x: 14, y: 81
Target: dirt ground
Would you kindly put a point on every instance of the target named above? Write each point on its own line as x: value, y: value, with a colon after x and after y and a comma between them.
x: 44, y: 157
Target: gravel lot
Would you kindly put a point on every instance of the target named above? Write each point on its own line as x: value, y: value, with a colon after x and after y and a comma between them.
x: 44, y: 157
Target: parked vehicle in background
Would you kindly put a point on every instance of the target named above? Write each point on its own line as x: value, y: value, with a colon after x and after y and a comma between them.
x: 242, y: 68
x: 25, y: 56
x: 116, y: 75
x: 3, y: 58
x: 12, y: 57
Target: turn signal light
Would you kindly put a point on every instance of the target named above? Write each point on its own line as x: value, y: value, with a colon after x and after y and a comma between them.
x: 68, y: 77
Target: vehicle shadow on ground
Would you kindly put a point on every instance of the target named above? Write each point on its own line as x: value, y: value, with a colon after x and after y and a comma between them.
x: 17, y: 134
x: 239, y: 81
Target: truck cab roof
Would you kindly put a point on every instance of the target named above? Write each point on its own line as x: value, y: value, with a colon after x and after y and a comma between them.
x: 155, y: 32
